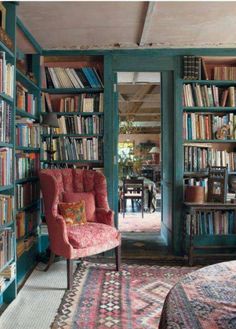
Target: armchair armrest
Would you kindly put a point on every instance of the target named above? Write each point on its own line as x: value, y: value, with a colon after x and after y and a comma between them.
x: 105, y: 216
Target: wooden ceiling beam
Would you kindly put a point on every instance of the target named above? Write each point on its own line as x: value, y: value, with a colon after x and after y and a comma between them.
x: 147, y: 23
x: 153, y: 114
x: 144, y: 90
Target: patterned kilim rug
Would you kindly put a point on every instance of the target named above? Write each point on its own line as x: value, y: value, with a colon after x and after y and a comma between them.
x: 102, y: 298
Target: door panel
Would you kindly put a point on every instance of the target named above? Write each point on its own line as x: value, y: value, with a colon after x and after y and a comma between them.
x: 167, y: 153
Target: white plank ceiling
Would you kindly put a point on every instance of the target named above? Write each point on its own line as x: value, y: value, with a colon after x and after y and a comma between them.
x: 124, y: 24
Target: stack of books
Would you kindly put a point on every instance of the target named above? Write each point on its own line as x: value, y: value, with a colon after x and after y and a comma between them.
x: 192, y: 68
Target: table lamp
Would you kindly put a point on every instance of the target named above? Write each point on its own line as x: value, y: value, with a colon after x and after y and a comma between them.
x: 154, y: 152
x: 50, y: 120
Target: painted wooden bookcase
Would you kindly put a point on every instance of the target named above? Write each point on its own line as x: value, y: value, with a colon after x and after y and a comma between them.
x: 27, y: 151
x: 7, y: 188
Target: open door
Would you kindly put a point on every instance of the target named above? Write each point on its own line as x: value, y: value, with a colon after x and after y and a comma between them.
x: 167, y: 155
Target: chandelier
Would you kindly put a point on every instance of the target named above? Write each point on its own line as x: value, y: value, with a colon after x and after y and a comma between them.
x: 128, y: 127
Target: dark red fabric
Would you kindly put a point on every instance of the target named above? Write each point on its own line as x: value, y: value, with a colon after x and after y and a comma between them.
x: 55, y: 183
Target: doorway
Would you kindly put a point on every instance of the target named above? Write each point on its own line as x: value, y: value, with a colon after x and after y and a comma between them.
x: 139, y: 157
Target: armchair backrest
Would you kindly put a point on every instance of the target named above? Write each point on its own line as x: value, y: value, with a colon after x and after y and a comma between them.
x: 56, y: 182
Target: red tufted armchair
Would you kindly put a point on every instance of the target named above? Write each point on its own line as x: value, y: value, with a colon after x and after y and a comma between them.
x: 76, y: 241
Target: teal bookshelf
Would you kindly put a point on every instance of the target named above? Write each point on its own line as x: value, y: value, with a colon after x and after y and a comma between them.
x: 27, y: 164
x: 8, y: 289
x: 209, y: 148
x: 91, y: 140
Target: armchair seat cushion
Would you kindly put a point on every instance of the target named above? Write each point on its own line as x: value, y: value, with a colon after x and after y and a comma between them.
x: 92, y: 235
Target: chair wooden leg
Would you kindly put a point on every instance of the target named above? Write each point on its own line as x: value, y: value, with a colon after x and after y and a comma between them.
x: 118, y: 257
x: 69, y: 265
x: 124, y: 207
x: 50, y: 261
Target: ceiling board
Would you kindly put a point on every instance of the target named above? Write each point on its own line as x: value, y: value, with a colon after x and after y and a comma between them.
x: 111, y: 24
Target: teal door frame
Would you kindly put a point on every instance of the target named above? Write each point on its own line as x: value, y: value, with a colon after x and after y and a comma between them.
x: 144, y: 63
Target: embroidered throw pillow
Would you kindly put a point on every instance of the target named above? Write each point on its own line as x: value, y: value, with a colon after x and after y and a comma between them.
x: 87, y: 197
x: 73, y: 212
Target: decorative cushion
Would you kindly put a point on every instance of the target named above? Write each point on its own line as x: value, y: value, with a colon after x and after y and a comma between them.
x: 91, y: 235
x: 89, y: 200
x: 73, y: 212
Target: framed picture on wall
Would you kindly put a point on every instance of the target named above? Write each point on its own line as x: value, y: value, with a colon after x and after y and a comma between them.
x: 217, y: 184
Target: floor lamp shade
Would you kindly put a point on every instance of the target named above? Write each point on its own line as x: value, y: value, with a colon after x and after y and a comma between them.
x: 50, y: 120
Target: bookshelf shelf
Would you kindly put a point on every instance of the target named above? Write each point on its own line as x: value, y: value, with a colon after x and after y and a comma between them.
x: 2, y: 144
x: 202, y: 173
x: 6, y: 187
x: 25, y: 114
x: 7, y: 263
x: 77, y: 113
x: 73, y: 135
x: 209, y: 110
x: 72, y: 90
x: 29, y: 206
x: 220, y: 141
x: 27, y: 149
x: 7, y: 98
x: 211, y: 82
x: 7, y: 50
x: 73, y: 161
x: 7, y: 284
x: 26, y: 81
x: 6, y: 225
x: 27, y: 179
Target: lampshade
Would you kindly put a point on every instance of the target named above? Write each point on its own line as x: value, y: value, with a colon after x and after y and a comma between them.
x: 50, y: 120
x: 154, y: 149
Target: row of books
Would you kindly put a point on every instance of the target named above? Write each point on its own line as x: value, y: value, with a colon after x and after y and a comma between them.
x: 224, y: 73
x: 28, y: 134
x: 6, y: 246
x: 211, y: 222
x: 26, y: 194
x: 6, y: 76
x: 195, y: 181
x: 60, y: 77
x: 5, y: 122
x: 209, y: 126
x: 6, y: 208
x: 208, y: 96
x: 192, y: 67
x: 79, y: 125
x: 79, y: 103
x: 5, y: 166
x: 74, y: 148
x: 26, y: 223
x: 25, y: 101
x: 26, y: 165
x: 25, y: 245
x: 199, y: 158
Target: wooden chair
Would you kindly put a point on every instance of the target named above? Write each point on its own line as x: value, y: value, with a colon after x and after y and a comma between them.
x: 133, y: 189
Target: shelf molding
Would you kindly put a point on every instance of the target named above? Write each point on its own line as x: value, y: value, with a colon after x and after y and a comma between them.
x: 76, y: 113
x: 72, y: 90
